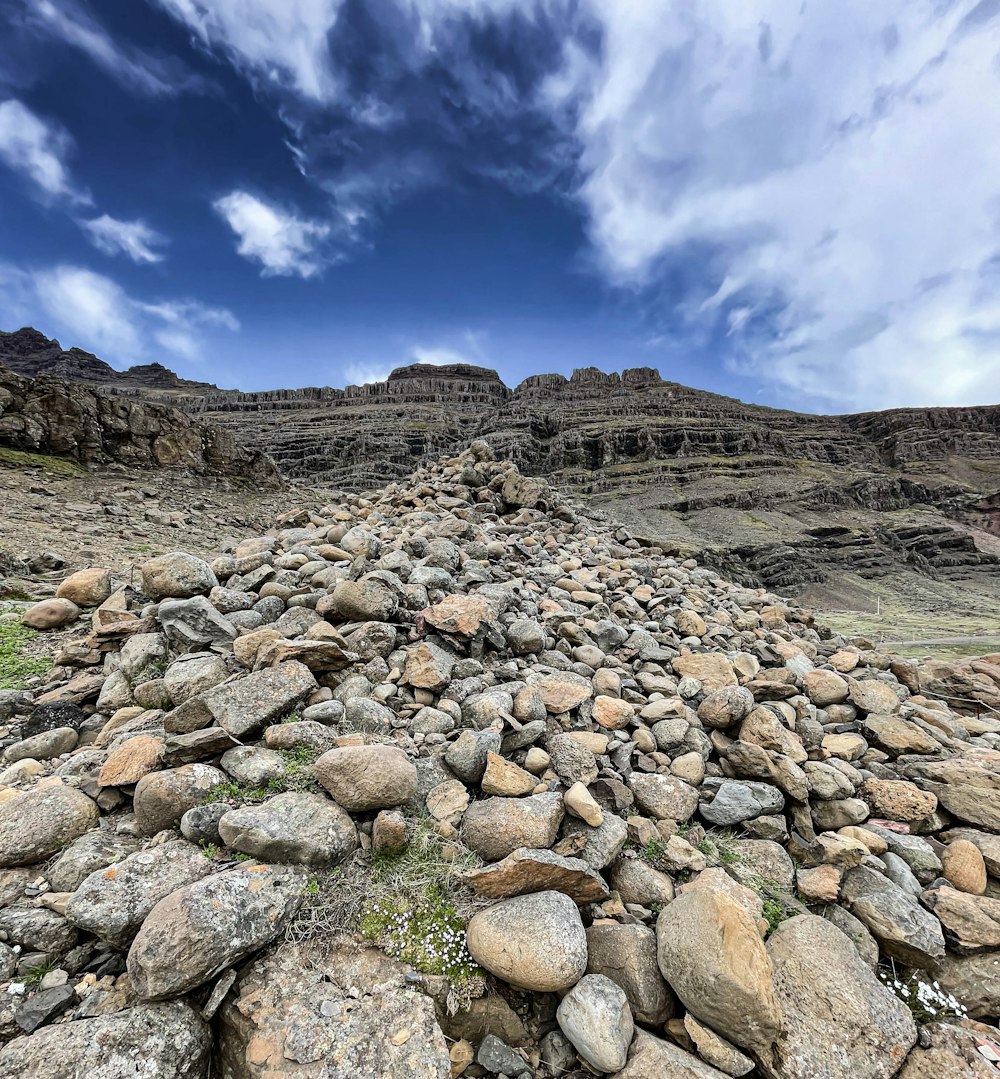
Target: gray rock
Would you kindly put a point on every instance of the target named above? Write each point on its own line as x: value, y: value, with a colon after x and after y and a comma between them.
x: 601, y: 845
x: 596, y: 1016
x: 112, y: 902
x: 176, y: 574
x: 498, y: 1058
x: 294, y: 827
x: 37, y: 929
x: 245, y: 706
x: 739, y: 800
x: 193, y: 673
x: 655, y: 1058
x: 199, y: 930
x: 255, y: 766
x: 162, y: 798
x: 194, y: 623
x: 904, y: 930
x: 333, y: 1008
x: 94, y: 850
x: 41, y: 822
x: 466, y: 756
x: 841, y: 1022
x: 570, y: 760
x: 43, y: 746
x: 200, y: 824
x: 169, y: 1040
x: 44, y: 1005
x: 663, y: 797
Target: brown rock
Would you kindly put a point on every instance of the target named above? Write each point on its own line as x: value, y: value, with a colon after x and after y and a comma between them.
x: 963, y: 866
x: 825, y: 687
x: 896, y: 799
x: 627, y: 955
x: 51, y: 614
x: 505, y: 778
x: 131, y: 761
x: 361, y: 778
x: 86, y: 587
x: 711, y: 669
x: 538, y: 870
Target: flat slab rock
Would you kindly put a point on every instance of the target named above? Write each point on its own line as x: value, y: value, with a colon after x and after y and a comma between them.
x: 530, y: 870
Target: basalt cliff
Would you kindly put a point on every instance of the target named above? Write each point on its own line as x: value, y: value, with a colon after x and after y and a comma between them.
x: 819, y: 506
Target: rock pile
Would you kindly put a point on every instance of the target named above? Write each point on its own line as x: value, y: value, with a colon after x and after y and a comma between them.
x: 691, y: 834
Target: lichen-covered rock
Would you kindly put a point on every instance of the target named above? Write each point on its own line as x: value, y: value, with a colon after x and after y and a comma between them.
x: 295, y: 827
x: 163, y: 1041
x: 361, y: 778
x: 199, y: 930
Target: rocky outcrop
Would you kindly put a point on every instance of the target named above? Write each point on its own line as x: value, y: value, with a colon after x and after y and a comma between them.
x: 48, y: 415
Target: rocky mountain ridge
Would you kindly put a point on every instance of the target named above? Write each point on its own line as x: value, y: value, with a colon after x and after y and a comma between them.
x: 454, y: 778
x: 812, y: 505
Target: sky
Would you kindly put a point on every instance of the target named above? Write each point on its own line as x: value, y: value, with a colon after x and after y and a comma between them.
x: 794, y: 203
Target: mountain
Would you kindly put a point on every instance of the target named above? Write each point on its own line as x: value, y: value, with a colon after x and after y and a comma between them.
x: 896, y: 512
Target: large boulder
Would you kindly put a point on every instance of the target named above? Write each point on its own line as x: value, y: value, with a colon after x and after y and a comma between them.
x: 199, y: 930
x: 331, y: 1009
x: 112, y: 902
x: 162, y: 798
x: 177, y: 574
x: 244, y: 706
x: 496, y: 827
x: 534, y: 942
x: 840, y: 1021
x: 627, y: 955
x: 710, y: 952
x: 156, y: 1041
x: 41, y: 822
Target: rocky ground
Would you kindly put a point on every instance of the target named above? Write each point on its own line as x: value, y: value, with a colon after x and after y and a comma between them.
x: 453, y: 779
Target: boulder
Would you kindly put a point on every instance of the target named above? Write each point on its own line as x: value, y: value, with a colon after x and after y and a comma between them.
x: 162, y: 798
x: 627, y: 955
x: 42, y: 821
x: 245, y: 706
x: 534, y: 942
x: 177, y: 575
x: 362, y: 778
x: 496, y: 827
x: 294, y: 827
x: 526, y: 870
x: 595, y: 1016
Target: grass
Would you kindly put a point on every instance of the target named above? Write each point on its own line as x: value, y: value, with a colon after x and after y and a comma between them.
x: 776, y: 908
x: 412, y: 904
x: 35, y: 974
x: 60, y: 466
x: 15, y: 667
x: 717, y: 846
x: 298, y: 776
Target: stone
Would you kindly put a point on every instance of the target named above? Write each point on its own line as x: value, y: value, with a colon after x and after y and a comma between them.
x: 505, y: 778
x: 612, y: 713
x: 87, y: 587
x: 627, y: 955
x: 894, y: 735
x: 964, y: 867
x: 177, y: 575
x: 726, y: 706
x: 113, y: 901
x: 193, y: 673
x: 951, y: 1052
x: 448, y: 801
x: 896, y: 799
x: 904, y: 930
x: 600, y: 845
x: 663, y: 797
x: 655, y: 1058
x: 838, y: 813
x: 496, y: 827
x: 43, y: 746
x: 528, y: 870
x: 245, y: 706
x: 162, y: 798
x: 361, y: 778
x: 51, y: 614
x: 841, y: 1022
x: 498, y: 1058
x: 47, y: 717
x: 974, y: 980
x: 169, y: 1039
x: 255, y: 766
x: 131, y: 761
x: 971, y: 922
x: 581, y: 803
x: 42, y: 821
x: 715, y: 1050
x: 293, y: 827
x: 368, y: 599
x: 711, y: 955
x: 636, y: 881
x: 825, y: 687
x: 199, y: 930
x: 428, y: 666
x: 738, y: 800
x: 571, y: 760
x: 534, y: 942
x: 871, y: 695
x: 525, y: 637
x: 564, y: 691
x: 94, y: 850
x: 467, y: 755
x: 712, y: 670
x: 595, y: 1016
x: 819, y: 884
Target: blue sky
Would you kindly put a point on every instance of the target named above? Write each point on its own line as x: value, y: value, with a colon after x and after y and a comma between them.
x: 797, y: 204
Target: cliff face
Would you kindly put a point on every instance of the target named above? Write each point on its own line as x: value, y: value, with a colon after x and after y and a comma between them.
x: 772, y: 496
x: 51, y: 416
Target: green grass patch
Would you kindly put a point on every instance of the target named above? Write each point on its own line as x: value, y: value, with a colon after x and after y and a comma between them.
x: 15, y: 667
x: 61, y: 466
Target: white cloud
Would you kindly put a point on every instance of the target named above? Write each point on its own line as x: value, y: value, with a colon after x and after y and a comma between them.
x: 135, y: 239
x: 832, y: 165
x: 36, y: 149
x: 281, y: 43
x: 438, y: 356
x: 94, y: 312
x: 281, y: 241
x: 67, y: 21
x: 363, y: 372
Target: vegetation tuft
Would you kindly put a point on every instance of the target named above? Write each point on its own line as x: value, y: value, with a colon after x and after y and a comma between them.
x: 15, y: 667
x: 298, y: 776
x: 60, y: 466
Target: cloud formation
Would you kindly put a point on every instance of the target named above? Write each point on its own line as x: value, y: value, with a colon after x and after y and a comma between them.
x: 96, y: 313
x: 284, y: 243
x: 37, y: 149
x: 134, y: 239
